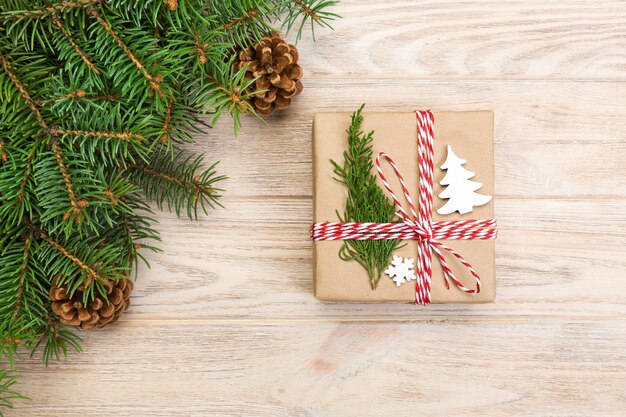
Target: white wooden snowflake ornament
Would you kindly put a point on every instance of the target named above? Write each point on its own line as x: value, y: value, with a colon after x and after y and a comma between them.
x: 460, y: 191
x: 401, y: 270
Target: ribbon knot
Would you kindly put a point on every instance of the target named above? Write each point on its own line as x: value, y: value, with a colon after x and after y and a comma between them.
x: 418, y: 225
x: 421, y: 232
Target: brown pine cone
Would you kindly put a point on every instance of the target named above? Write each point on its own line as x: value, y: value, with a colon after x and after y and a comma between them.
x: 99, y: 312
x: 275, y: 62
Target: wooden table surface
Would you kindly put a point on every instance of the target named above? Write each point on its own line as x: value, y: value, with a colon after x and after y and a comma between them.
x: 225, y: 322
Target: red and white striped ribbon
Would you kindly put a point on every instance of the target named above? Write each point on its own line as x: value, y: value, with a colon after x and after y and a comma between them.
x: 419, y: 224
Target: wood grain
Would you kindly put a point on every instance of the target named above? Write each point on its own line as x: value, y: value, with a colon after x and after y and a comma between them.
x: 440, y: 368
x: 225, y: 322
x: 545, y: 133
x: 530, y: 39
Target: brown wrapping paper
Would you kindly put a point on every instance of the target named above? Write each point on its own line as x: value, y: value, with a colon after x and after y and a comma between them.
x: 471, y: 136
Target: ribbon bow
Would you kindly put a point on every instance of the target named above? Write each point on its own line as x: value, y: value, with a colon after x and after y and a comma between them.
x: 419, y: 225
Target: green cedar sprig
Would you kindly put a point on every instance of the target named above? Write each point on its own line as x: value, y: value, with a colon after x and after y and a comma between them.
x: 366, y: 201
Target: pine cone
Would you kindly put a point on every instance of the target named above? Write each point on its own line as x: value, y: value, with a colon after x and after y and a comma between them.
x: 275, y: 62
x: 99, y: 312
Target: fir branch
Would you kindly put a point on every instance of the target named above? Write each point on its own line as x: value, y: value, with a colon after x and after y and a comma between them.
x: 123, y: 136
x: 17, y: 262
x: 247, y: 17
x: 85, y: 262
x: 7, y: 393
x: 366, y: 201
x: 313, y: 11
x: 241, y: 23
x: 21, y: 275
x: 234, y: 95
x: 27, y: 171
x: 77, y: 205
x: 71, y: 41
x: 78, y: 94
x: 307, y: 10
x: 15, y: 192
x: 154, y: 81
x: 23, y: 91
x: 88, y: 97
x: 69, y: 96
x: 201, y: 48
x: 165, y: 138
x: 23, y: 293
x: 91, y: 273
x: 176, y: 181
x: 56, y: 339
x: 41, y: 13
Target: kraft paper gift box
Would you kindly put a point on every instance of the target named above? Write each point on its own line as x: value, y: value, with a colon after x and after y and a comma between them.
x: 470, y: 134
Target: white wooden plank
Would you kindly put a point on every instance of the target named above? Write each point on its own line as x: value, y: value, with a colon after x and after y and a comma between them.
x: 441, y: 368
x: 551, y: 138
x: 488, y: 39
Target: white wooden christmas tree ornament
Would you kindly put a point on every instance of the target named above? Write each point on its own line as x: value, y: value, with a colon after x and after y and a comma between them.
x: 460, y: 191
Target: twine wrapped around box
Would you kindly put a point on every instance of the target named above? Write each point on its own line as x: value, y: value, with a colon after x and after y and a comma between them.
x: 419, y: 225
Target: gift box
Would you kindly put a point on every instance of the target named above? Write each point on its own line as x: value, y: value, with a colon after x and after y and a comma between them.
x: 470, y: 135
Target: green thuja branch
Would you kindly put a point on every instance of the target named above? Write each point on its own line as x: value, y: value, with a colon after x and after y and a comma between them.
x: 366, y: 201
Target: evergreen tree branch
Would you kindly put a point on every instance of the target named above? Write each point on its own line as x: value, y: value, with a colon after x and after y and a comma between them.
x: 231, y: 96
x: 192, y: 186
x: 165, y: 137
x: 95, y: 96
x: 78, y: 94
x: 71, y: 95
x: 123, y: 136
x: 234, y: 95
x: 15, y: 182
x: 21, y: 275
x: 56, y: 339
x: 241, y: 23
x: 246, y: 18
x: 41, y: 13
x: 54, y: 145
x: 77, y: 205
x: 7, y: 393
x: 14, y: 308
x: 307, y: 10
x: 200, y: 48
x: 154, y: 81
x: 23, y: 292
x: 23, y: 91
x: 27, y: 172
x: 176, y: 181
x: 71, y: 41
x: 91, y: 273
x: 313, y: 11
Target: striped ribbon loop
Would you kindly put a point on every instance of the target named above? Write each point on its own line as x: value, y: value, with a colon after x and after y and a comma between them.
x: 417, y: 224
